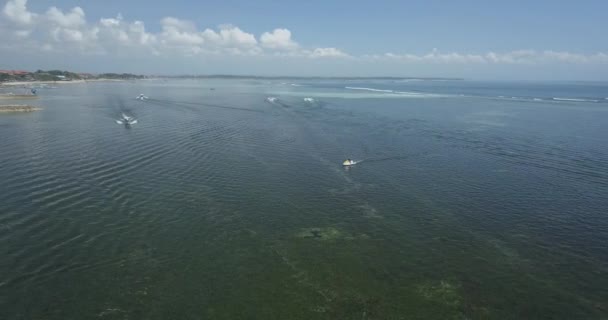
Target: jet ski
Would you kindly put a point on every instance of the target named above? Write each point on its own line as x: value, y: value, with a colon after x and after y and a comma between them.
x: 349, y: 162
x: 141, y: 97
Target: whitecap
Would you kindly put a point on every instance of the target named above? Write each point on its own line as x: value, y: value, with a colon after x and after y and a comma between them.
x: 574, y: 99
x: 415, y: 94
x: 369, y: 89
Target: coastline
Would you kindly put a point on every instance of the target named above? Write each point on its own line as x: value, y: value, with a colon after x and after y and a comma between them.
x: 17, y: 96
x: 25, y: 83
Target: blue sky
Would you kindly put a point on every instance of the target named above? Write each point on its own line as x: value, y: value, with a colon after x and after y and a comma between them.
x: 473, y: 39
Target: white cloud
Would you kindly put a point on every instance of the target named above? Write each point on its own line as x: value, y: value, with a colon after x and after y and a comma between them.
x: 138, y: 34
x: 16, y: 11
x: 110, y: 22
x: 232, y: 36
x: 69, y: 27
x: 171, y: 22
x: 183, y: 35
x: 68, y: 35
x: 69, y: 31
x: 278, y: 39
x: 73, y: 19
x: 328, y: 52
x: 512, y: 57
x: 177, y: 32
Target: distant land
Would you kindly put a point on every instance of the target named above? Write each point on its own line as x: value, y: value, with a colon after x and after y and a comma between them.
x: 7, y: 76
x: 226, y: 76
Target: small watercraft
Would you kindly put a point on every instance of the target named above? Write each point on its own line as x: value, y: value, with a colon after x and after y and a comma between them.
x: 349, y: 162
x: 141, y: 97
x: 126, y: 120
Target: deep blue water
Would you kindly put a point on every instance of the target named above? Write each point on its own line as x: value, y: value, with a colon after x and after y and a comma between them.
x: 471, y: 200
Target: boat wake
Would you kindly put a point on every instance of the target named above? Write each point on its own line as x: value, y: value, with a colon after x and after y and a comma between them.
x: 126, y: 120
x: 193, y: 105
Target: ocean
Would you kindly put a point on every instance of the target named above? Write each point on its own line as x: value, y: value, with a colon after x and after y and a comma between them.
x: 228, y: 200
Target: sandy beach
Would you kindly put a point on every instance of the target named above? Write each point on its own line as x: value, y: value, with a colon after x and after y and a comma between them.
x: 17, y: 96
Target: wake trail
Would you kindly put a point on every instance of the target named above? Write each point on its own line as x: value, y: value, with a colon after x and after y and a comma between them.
x: 115, y: 107
x: 392, y: 158
x: 187, y: 103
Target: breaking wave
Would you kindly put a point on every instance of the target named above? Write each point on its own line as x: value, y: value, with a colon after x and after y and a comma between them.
x: 574, y: 99
x: 394, y: 92
x: 369, y: 89
x: 552, y: 99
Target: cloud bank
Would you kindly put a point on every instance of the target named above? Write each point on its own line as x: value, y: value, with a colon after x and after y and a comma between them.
x: 57, y: 30
x: 513, y: 57
x: 69, y: 31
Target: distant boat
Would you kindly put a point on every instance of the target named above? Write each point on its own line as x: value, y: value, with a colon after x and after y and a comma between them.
x: 349, y: 162
x: 126, y: 120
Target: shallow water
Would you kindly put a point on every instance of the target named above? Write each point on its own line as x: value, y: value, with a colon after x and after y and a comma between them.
x: 472, y: 200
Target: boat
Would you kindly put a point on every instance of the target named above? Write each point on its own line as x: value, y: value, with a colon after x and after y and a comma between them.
x: 349, y: 162
x: 126, y: 120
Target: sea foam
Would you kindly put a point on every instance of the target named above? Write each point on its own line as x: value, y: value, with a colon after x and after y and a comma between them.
x: 574, y: 99
x: 369, y: 89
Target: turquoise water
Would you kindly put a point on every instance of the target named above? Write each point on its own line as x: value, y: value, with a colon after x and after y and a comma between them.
x: 471, y: 200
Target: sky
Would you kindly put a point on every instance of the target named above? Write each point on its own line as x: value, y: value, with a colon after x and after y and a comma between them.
x: 511, y: 40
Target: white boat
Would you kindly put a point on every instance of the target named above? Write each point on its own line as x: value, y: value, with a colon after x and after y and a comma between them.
x: 126, y: 120
x: 349, y: 162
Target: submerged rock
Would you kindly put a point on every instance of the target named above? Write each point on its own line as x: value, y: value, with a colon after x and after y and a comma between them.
x: 324, y: 234
x: 443, y: 292
x: 370, y: 212
x: 18, y: 108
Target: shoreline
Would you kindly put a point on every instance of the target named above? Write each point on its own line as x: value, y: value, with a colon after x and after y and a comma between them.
x: 25, y: 83
x: 17, y: 96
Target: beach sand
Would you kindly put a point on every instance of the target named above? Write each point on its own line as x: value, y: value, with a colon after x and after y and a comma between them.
x: 17, y: 96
